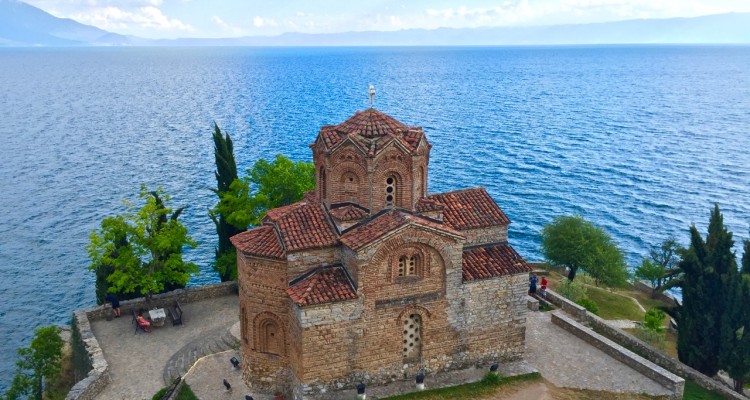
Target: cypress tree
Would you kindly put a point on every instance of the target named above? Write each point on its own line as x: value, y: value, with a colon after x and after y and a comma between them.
x: 735, y: 327
x: 706, y: 267
x: 225, y: 263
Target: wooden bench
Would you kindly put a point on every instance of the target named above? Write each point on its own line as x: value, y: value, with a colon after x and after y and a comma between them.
x: 175, y: 312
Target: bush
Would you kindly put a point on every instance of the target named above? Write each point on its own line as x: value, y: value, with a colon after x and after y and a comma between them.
x: 589, y: 305
x: 574, y: 291
x: 159, y: 394
x: 651, y: 337
x: 654, y: 320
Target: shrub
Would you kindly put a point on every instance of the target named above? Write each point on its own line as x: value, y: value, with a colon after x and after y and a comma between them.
x: 159, y: 394
x: 589, y: 305
x: 572, y: 290
x: 652, y: 337
x: 654, y: 320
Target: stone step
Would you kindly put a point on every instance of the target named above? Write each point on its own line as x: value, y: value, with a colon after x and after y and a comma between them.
x: 211, y: 342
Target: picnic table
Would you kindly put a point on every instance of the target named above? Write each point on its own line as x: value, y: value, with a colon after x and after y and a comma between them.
x: 158, y: 316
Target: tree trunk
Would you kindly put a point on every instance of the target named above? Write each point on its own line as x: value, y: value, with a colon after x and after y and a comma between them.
x: 572, y: 273
x: 739, y: 384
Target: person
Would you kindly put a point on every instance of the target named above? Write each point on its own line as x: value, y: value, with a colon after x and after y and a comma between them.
x: 532, y: 283
x: 143, y: 322
x: 543, y: 288
x: 115, y: 304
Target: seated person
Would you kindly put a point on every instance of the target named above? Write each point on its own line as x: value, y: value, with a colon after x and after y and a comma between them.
x: 143, y: 322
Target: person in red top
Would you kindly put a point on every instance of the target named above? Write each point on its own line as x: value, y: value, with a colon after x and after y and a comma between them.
x: 543, y: 288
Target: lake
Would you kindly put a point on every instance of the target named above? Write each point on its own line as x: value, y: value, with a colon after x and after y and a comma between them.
x: 641, y: 140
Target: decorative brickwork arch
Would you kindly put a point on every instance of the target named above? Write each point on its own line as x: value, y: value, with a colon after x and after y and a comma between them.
x: 411, y: 323
x: 400, y: 172
x: 269, y: 334
x: 349, y: 183
x: 388, y: 255
x: 410, y: 260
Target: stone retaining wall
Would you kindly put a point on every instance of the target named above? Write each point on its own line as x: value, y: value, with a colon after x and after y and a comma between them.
x: 642, y: 287
x: 660, y: 358
x: 98, y: 376
x: 641, y: 348
x: 665, y: 378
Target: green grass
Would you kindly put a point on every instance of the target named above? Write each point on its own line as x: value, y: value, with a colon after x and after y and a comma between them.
x: 488, y: 385
x: 185, y: 393
x: 695, y: 392
x: 614, y: 306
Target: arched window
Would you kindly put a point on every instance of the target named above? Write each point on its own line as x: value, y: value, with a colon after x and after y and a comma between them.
x: 349, y: 185
x: 423, y: 177
x: 243, y: 326
x: 390, y: 190
x: 270, y: 338
x: 407, y: 265
x: 412, y: 344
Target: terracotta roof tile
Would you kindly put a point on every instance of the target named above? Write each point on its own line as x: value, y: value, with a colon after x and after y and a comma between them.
x: 261, y: 241
x: 372, y: 130
x: 348, y: 212
x: 366, y: 232
x: 302, y: 225
x: 426, y: 205
x: 483, y: 262
x: 322, y: 285
x: 470, y: 208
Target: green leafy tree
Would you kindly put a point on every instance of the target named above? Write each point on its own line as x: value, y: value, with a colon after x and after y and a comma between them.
x: 267, y: 185
x: 734, y: 357
x: 661, y: 269
x: 705, y: 265
x: 149, y: 258
x: 225, y: 263
x: 654, y: 320
x: 575, y: 243
x: 38, y: 362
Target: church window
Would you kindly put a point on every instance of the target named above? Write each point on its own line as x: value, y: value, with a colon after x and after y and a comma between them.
x: 390, y: 191
x: 407, y: 265
x: 323, y: 183
x: 412, y: 342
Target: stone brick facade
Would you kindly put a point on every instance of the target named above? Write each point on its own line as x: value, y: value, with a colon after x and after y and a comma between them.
x: 411, y: 281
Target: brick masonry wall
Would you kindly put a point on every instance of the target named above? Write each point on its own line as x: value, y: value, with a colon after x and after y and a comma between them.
x: 493, y: 234
x: 301, y: 261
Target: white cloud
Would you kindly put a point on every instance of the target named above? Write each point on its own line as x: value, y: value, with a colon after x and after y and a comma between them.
x: 260, y: 22
x: 227, y: 27
x: 147, y: 17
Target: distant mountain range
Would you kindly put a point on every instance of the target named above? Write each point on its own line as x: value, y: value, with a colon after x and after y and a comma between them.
x: 24, y: 25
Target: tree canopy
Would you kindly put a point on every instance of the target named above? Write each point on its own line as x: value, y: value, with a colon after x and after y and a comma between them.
x: 575, y: 243
x: 705, y: 265
x: 225, y: 263
x: 39, y: 361
x: 267, y: 185
x: 661, y: 268
x: 143, y: 247
x: 734, y: 356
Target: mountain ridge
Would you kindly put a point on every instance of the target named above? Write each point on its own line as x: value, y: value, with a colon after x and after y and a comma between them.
x: 24, y: 25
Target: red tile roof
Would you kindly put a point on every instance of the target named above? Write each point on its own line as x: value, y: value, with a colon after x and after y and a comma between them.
x: 303, y: 225
x: 483, y: 262
x: 372, y: 130
x: 261, y: 241
x: 322, y: 285
x: 427, y: 205
x: 348, y: 212
x: 364, y: 233
x: 470, y: 209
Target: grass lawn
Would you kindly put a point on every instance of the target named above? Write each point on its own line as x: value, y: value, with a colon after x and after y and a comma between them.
x: 487, y: 386
x: 695, y: 392
x: 614, y: 306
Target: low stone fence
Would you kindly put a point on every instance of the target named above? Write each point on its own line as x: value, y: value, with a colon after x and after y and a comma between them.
x: 660, y: 358
x: 642, y: 287
x: 532, y: 303
x: 579, y: 312
x: 98, y: 376
x: 641, y: 348
x: 665, y: 378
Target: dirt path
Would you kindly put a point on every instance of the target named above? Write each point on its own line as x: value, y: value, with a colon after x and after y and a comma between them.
x: 544, y: 390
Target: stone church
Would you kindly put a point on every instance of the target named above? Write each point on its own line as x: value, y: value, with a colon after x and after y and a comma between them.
x: 371, y: 278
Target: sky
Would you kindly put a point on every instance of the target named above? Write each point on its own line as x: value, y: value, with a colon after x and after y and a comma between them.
x: 231, y: 18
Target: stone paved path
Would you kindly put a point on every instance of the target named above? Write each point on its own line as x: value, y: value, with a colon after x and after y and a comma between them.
x: 137, y: 361
x: 568, y: 361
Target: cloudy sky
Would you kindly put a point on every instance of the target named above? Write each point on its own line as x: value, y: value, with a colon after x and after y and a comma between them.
x: 228, y: 18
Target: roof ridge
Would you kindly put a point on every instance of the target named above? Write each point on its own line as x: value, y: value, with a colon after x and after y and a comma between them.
x: 482, y: 188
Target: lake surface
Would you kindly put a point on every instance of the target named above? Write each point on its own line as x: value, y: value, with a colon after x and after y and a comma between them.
x: 640, y: 140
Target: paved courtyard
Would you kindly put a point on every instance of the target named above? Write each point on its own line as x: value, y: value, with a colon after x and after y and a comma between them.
x: 137, y: 361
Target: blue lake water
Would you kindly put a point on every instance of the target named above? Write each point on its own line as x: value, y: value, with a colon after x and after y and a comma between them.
x: 640, y: 140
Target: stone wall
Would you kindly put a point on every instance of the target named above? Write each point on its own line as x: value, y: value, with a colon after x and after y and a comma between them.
x: 641, y: 348
x: 665, y: 378
x: 86, y: 347
x: 660, y: 358
x: 492, y: 234
x: 642, y: 287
